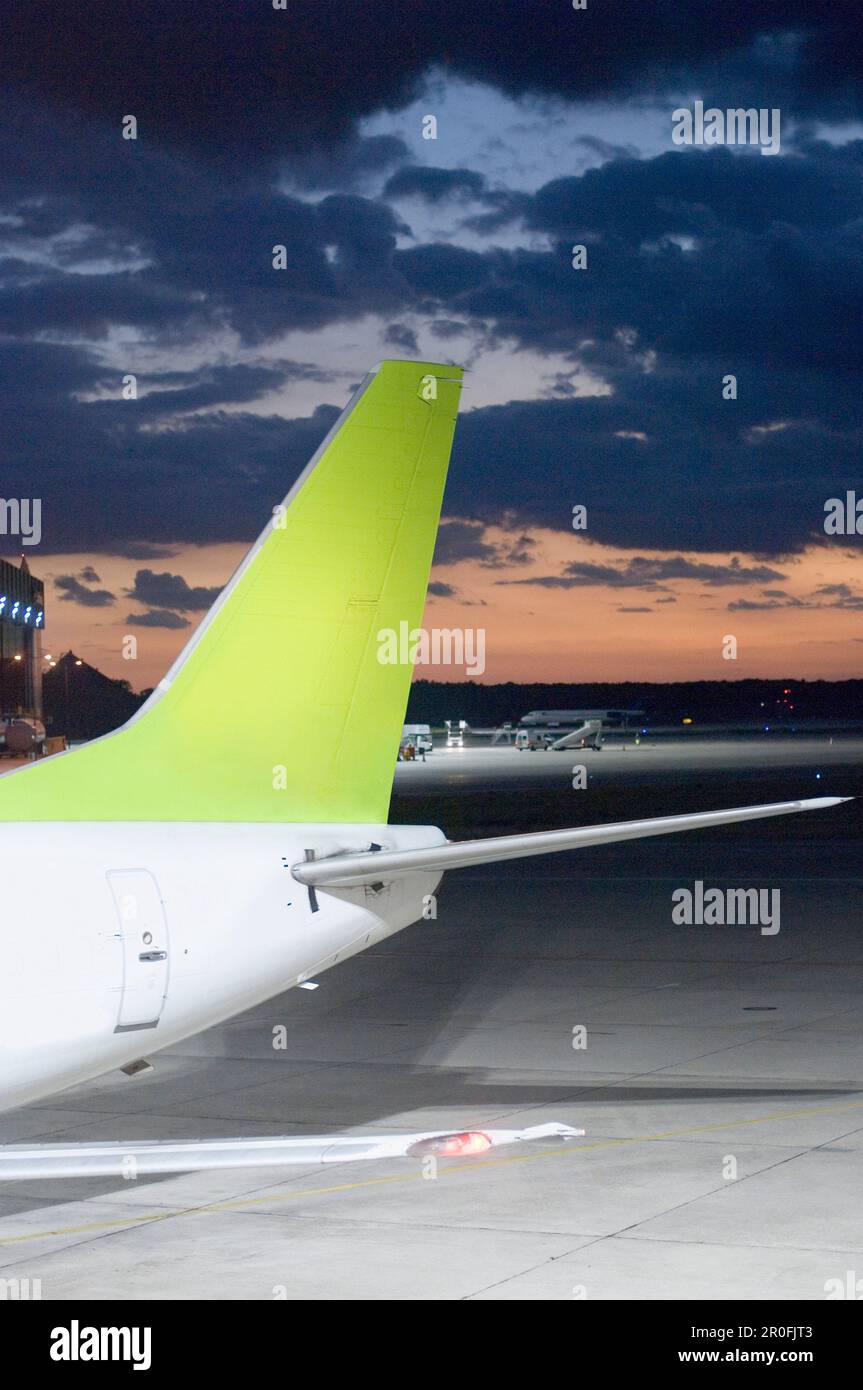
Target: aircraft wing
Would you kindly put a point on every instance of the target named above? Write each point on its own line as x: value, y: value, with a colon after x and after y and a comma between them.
x: 137, y: 1158
x: 366, y: 867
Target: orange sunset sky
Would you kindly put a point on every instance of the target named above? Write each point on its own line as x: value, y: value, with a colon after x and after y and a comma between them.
x: 532, y: 632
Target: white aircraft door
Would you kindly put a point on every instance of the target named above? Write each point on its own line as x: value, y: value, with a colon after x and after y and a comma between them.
x: 144, y: 933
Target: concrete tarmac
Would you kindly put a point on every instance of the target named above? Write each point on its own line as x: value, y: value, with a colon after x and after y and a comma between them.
x: 720, y: 1081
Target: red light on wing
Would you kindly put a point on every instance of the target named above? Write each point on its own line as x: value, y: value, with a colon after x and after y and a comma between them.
x: 470, y: 1141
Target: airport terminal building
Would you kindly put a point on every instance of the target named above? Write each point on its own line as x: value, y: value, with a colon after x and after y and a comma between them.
x: 22, y: 618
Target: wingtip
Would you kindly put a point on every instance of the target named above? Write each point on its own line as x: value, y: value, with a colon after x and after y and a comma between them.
x: 816, y: 803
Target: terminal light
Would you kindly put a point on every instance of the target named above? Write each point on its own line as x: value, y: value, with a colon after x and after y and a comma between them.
x: 26, y: 616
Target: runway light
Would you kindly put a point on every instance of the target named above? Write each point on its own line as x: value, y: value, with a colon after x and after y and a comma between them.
x: 687, y: 721
x: 471, y: 1141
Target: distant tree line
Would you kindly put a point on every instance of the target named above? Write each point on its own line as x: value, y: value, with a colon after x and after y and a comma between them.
x: 702, y: 701
x: 82, y: 703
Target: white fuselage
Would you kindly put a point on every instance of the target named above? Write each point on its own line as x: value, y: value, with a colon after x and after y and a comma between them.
x: 121, y: 939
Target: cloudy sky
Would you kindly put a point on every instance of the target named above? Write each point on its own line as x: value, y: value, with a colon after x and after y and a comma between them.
x: 601, y: 386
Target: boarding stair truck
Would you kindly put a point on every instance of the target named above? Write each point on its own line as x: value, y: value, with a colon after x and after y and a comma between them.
x: 587, y: 735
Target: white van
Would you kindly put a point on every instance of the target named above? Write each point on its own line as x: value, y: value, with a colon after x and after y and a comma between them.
x: 529, y: 740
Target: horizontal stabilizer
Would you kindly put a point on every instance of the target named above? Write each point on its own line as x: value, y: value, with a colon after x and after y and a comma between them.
x: 355, y: 870
x: 137, y: 1159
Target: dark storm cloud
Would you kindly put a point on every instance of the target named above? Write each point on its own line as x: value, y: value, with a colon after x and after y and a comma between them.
x: 157, y: 617
x: 698, y: 193
x: 213, y: 386
x: 138, y: 550
x: 695, y: 483
x: 248, y: 81
x: 400, y: 336
x: 345, y: 163
x: 826, y: 596
x: 217, y: 268
x: 438, y: 589
x: 107, y: 483
x: 460, y: 540
x: 90, y: 305
x: 442, y: 271
x: 170, y: 591
x: 170, y: 247
x: 705, y: 478
x: 764, y: 230
x: 73, y: 591
x: 175, y: 233
x: 521, y: 551
x: 773, y: 270
x: 643, y: 573
x: 745, y: 605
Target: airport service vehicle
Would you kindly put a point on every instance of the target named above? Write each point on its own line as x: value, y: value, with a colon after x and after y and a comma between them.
x: 531, y: 740
x: 588, y: 734
x: 419, y: 735
x: 167, y: 876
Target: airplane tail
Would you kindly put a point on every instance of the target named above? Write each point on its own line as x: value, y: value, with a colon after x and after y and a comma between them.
x: 279, y: 708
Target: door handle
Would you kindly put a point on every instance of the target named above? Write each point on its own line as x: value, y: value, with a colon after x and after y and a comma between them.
x: 153, y: 955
